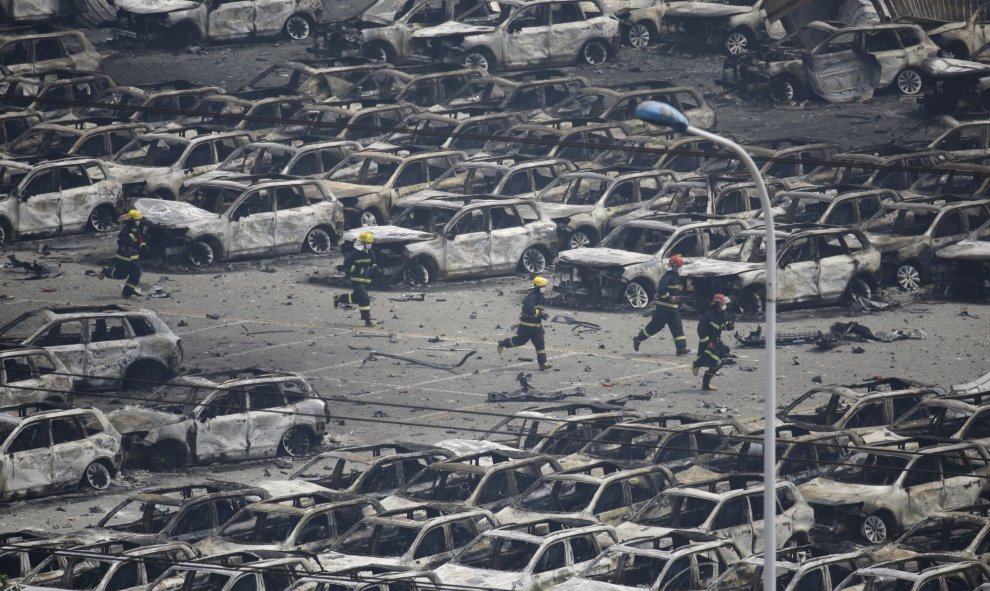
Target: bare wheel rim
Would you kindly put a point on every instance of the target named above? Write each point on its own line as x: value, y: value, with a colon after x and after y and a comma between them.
x: 101, y: 219
x: 368, y: 218
x: 874, y: 529
x: 636, y: 296
x: 378, y: 53
x: 860, y: 289
x: 297, y: 27
x: 97, y: 476
x: 736, y: 43
x: 782, y: 91
x: 750, y: 302
x: 580, y: 239
x: 3, y: 234
x: 476, y: 60
x: 318, y: 241
x: 594, y: 53
x: 534, y: 261
x: 416, y: 274
x: 639, y: 36
x: 908, y: 277
x: 296, y: 442
x: 909, y: 82
x: 200, y: 254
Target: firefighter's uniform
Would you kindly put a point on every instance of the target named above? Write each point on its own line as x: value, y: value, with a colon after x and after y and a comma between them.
x: 666, y: 310
x: 127, y: 261
x: 530, y: 326
x: 359, y: 267
x: 711, y: 349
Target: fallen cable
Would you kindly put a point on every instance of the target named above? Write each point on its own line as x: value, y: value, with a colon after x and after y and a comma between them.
x: 446, y: 367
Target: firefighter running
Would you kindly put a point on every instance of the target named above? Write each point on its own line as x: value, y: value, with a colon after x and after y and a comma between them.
x: 531, y: 324
x: 711, y: 349
x: 359, y: 266
x: 666, y: 311
x: 127, y: 261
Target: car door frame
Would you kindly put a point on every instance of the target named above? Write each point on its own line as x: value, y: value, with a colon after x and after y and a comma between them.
x: 230, y: 229
x: 823, y: 68
x: 505, y: 38
x: 31, y: 456
x: 803, y: 272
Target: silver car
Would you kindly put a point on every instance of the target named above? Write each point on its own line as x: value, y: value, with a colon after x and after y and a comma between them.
x: 32, y: 374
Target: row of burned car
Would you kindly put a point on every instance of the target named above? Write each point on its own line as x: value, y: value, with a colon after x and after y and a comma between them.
x: 569, y: 496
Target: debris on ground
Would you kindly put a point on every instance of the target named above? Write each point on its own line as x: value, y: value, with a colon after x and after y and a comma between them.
x: 447, y: 367
x: 755, y: 338
x: 37, y: 270
x: 576, y: 325
x: 527, y: 393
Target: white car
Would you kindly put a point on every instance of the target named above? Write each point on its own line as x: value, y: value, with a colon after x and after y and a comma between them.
x: 187, y: 21
x: 31, y: 375
x: 228, y: 219
x: 61, y: 197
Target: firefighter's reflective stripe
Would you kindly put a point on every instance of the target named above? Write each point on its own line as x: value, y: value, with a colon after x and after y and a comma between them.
x: 127, y: 258
x: 360, y: 280
x: 536, y: 324
x: 669, y: 305
x: 712, y: 355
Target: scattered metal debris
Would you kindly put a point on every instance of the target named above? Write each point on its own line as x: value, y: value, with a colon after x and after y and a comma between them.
x: 37, y: 270
x: 529, y: 394
x: 576, y: 325
x: 378, y: 354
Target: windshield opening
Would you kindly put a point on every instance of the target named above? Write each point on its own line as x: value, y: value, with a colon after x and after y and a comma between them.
x: 259, y: 527
x: 381, y: 540
x: 637, y: 239
x: 258, y: 161
x: 870, y: 469
x: 151, y: 152
x: 494, y: 553
x: 675, y: 510
x: 443, y: 486
x: 140, y: 518
x: 424, y: 219
x: 559, y: 496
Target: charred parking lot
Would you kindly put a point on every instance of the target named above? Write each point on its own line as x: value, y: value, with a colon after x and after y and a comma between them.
x: 275, y: 313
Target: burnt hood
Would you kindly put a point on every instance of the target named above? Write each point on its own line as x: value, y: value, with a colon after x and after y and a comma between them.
x: 389, y: 235
x: 943, y: 67
x: 451, y: 28
x: 705, y: 10
x: 967, y: 250
x: 382, y: 12
x: 602, y: 257
x: 563, y: 210
x: 154, y: 6
x: 717, y: 268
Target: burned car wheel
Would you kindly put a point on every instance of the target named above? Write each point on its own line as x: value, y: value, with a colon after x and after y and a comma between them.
x: 637, y: 296
x: 480, y: 59
x: 298, y: 27
x: 594, y: 53
x: 97, y: 476
x: 750, y: 301
x: 201, y: 254
x: 909, y: 277
x: 166, y: 456
x: 369, y: 217
x: 533, y: 260
x: 379, y: 52
x: 318, y: 241
x: 783, y: 90
x: 5, y: 232
x: 876, y: 529
x: 582, y: 238
x: 296, y: 442
x: 102, y: 219
x: 416, y: 273
x: 737, y: 42
x: 910, y: 82
x: 639, y: 35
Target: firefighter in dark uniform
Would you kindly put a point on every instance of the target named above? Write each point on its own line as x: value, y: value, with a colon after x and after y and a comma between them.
x: 127, y: 261
x: 531, y: 324
x: 711, y: 349
x: 359, y: 266
x: 666, y: 311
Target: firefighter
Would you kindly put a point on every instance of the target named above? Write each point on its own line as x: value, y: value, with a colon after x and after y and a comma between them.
x: 127, y: 261
x: 711, y: 349
x: 666, y: 311
x: 531, y: 324
x: 359, y: 266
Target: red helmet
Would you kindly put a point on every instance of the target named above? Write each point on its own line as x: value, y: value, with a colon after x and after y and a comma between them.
x: 720, y: 299
x: 675, y: 262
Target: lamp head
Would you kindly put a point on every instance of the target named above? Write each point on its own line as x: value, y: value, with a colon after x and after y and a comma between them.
x: 662, y: 114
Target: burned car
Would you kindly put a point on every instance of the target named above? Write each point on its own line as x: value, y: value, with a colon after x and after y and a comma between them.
x: 375, y: 471
x: 25, y: 549
x: 525, y: 34
x: 737, y: 26
x: 618, y: 105
x: 57, y: 450
x: 442, y: 238
x: 962, y: 531
x: 604, y: 492
x: 269, y: 159
x: 43, y: 52
x: 307, y: 522
x: 832, y: 205
x: 222, y: 220
x: 528, y: 556
x: 628, y: 264
x: 839, y: 64
x: 815, y: 264
x: 420, y: 537
x: 729, y: 508
x: 237, y: 570
x: 909, y: 234
x: 184, y: 513
x: 797, y: 569
x: 81, y: 138
x: 227, y: 416
x: 61, y: 197
x: 965, y: 264
x: 55, y: 95
x: 33, y: 375
x: 919, y: 573
x: 106, y: 565
x: 203, y: 21
x: 15, y: 123
x: 506, y: 176
x: 876, y: 492
x: 102, y: 346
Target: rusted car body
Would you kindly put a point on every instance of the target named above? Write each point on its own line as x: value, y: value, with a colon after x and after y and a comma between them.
x: 121, y: 567
x: 265, y: 159
x: 803, y: 567
x: 420, y: 537
x: 72, y: 139
x: 222, y: 220
x: 55, y: 95
x: 925, y: 571
x: 20, y: 555
x: 816, y: 264
x: 618, y: 105
x: 194, y: 21
x: 628, y: 264
x: 203, y: 419
x: 58, y: 450
x: 962, y: 532
x: 39, y: 53
x: 528, y: 556
x: 737, y: 26
x: 33, y: 375
x: 837, y: 206
x: 437, y: 239
x: 876, y: 492
x: 238, y: 569
x: 102, y: 346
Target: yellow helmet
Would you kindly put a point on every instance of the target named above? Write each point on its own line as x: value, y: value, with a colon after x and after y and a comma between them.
x: 539, y: 282
x: 366, y: 238
x: 133, y: 215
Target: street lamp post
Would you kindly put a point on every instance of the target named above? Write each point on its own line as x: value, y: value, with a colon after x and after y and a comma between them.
x: 664, y: 114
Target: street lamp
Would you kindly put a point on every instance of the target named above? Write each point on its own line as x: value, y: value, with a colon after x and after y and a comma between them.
x: 664, y: 114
